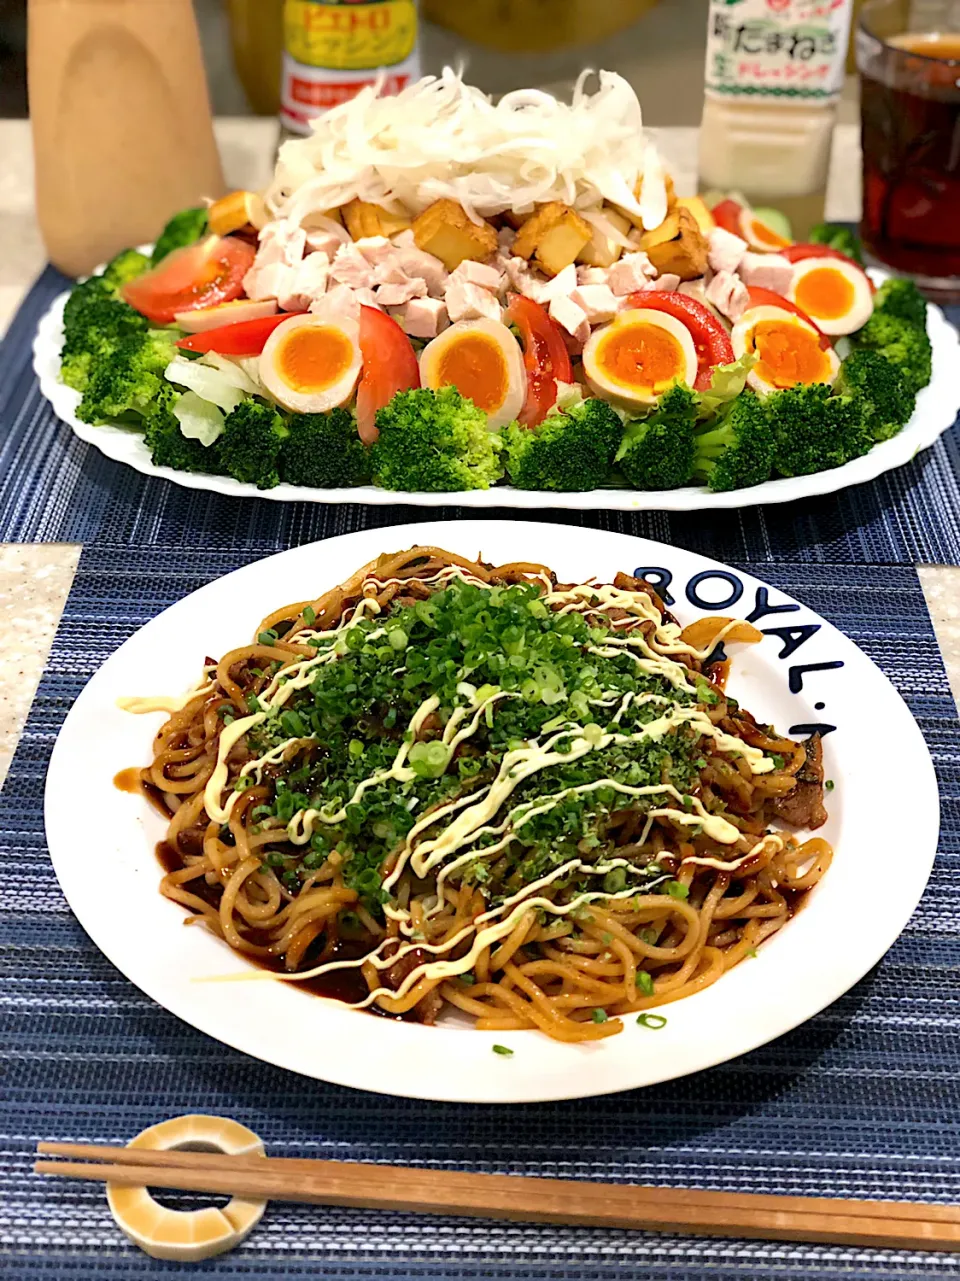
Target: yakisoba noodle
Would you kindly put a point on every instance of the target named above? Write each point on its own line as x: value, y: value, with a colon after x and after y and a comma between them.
x: 448, y: 783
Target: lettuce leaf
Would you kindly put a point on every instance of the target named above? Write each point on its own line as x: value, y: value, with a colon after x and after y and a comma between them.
x: 727, y: 383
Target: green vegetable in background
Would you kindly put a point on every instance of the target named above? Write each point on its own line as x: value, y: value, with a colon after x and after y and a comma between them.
x: 184, y: 228
x: 814, y: 430
x: 657, y: 452
x: 568, y: 451
x: 886, y: 400
x: 249, y: 448
x: 736, y: 450
x: 435, y: 441
x: 324, y: 450
x: 835, y: 236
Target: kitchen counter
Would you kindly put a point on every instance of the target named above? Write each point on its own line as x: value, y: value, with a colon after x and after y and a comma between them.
x: 35, y: 579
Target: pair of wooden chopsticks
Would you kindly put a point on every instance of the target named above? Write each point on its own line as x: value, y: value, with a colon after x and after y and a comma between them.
x: 892, y: 1224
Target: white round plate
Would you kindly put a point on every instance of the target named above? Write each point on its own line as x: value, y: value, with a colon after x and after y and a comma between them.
x: 937, y: 407
x: 848, y: 923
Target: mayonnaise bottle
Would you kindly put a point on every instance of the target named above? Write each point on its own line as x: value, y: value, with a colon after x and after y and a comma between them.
x: 774, y: 75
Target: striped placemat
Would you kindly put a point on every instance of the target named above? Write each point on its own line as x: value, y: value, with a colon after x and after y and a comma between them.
x: 862, y: 1101
x: 55, y: 488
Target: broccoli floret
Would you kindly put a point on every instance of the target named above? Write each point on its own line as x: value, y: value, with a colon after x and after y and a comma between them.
x: 435, y: 441
x: 737, y: 449
x: 887, y: 404
x: 657, y: 452
x: 324, y: 450
x: 82, y: 296
x: 167, y: 444
x: 844, y: 239
x: 93, y: 334
x: 814, y: 430
x: 904, y: 345
x: 184, y: 228
x: 123, y: 385
x: 249, y: 447
x: 127, y: 265
x: 903, y: 299
x: 568, y: 451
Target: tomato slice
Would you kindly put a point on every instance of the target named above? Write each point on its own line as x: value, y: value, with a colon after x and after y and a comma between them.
x: 710, y: 338
x: 760, y: 297
x: 246, y: 338
x: 727, y: 215
x: 545, y: 358
x: 799, y: 253
x: 200, y: 275
x: 389, y: 365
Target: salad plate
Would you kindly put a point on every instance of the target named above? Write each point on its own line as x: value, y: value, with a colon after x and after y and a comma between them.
x: 817, y: 679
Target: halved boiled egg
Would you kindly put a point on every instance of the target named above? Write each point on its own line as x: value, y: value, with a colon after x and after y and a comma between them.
x: 638, y: 356
x: 483, y: 360
x: 835, y: 294
x: 789, y: 350
x: 759, y: 235
x: 310, y: 364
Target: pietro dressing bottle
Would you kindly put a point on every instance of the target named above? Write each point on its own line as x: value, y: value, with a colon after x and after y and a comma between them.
x: 773, y: 78
x: 121, y: 123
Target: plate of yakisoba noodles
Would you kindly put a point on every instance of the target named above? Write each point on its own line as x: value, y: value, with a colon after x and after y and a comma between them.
x: 490, y: 811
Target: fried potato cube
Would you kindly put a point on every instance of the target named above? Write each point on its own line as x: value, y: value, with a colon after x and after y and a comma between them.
x: 697, y: 206
x: 239, y: 210
x: 554, y: 235
x: 669, y: 229
x: 363, y: 219
x: 445, y: 230
x: 686, y: 256
x: 600, y: 250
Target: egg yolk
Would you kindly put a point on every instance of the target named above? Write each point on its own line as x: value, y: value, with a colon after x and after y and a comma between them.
x: 313, y: 357
x: 764, y: 235
x: 475, y: 365
x: 825, y: 292
x: 641, y: 356
x: 789, y: 354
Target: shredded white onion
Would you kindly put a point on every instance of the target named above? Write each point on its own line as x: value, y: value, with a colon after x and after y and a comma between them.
x: 441, y: 137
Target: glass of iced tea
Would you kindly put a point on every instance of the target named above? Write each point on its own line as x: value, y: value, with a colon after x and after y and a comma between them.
x: 908, y: 53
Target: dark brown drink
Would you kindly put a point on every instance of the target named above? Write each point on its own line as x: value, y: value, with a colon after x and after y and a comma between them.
x: 910, y: 103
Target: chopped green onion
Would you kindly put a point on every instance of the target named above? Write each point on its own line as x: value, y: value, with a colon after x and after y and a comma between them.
x: 429, y: 760
x: 467, y: 978
x: 752, y: 953
x: 355, y: 749
x: 599, y: 1016
x: 309, y: 615
x: 652, y: 1021
x: 645, y: 982
x: 829, y: 784
x: 677, y: 890
x: 778, y: 762
x: 269, y: 637
x: 502, y: 1049
x: 615, y: 880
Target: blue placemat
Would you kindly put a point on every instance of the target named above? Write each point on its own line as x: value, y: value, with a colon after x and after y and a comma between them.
x: 862, y: 1101
x: 55, y: 488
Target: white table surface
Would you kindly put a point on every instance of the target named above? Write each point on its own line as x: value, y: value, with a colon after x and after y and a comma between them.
x: 35, y: 578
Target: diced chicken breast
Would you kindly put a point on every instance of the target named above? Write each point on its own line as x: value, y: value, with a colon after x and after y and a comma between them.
x: 268, y: 282
x: 570, y: 317
x: 423, y: 317
x: 375, y: 249
x: 349, y: 267
x: 309, y: 283
x: 418, y: 263
x: 367, y: 298
x: 725, y: 250
x: 338, y: 303
x: 395, y: 293
x: 599, y: 302
x: 728, y: 294
x: 666, y: 283
x: 562, y: 285
x: 405, y: 239
x: 593, y: 275
x: 506, y: 236
x: 766, y: 271
x: 630, y: 273
x: 523, y: 280
x: 281, y: 241
x: 323, y: 242
x: 483, y: 274
x: 470, y: 302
